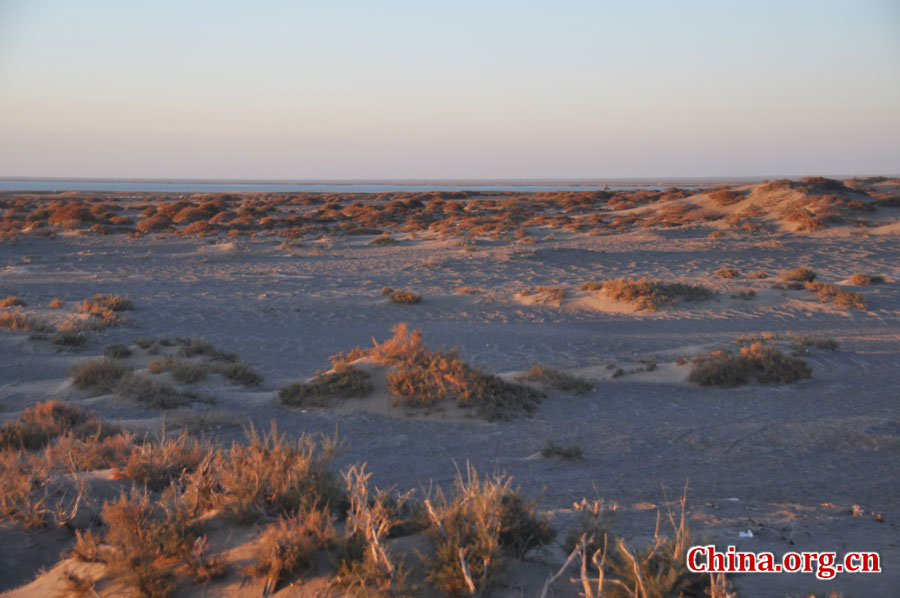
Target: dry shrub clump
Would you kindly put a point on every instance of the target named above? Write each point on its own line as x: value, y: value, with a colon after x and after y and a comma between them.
x: 240, y: 373
x: 827, y: 292
x: 149, y: 545
x: 182, y: 370
x: 150, y: 392
x: 269, y: 476
x: 401, y: 296
x: 289, y: 545
x: 99, y: 375
x: 12, y: 302
x: 558, y: 379
x: 156, y: 464
x: 862, y: 279
x: 106, y: 307
x: 765, y: 363
x: 572, y: 452
x: 116, y: 351
x: 649, y: 295
x: 16, y: 320
x: 343, y: 381
x: 801, y: 274
x: 475, y: 528
x: 728, y: 272
x: 658, y: 570
x: 39, y: 424
x: 422, y: 377
x: 366, y: 567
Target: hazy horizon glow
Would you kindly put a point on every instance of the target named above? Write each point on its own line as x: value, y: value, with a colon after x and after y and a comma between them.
x: 486, y: 90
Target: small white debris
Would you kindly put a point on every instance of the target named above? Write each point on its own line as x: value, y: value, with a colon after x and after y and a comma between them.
x: 746, y: 534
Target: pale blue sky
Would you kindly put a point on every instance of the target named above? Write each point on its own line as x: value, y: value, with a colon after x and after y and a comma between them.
x: 324, y: 90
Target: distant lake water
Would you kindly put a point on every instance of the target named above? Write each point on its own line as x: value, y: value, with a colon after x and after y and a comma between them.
x: 178, y: 187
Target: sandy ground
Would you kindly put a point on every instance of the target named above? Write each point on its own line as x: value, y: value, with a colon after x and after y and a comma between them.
x: 785, y: 462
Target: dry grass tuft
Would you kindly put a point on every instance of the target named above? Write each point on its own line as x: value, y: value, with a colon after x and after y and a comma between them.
x: 56, y: 304
x: 401, y: 296
x: 728, y: 272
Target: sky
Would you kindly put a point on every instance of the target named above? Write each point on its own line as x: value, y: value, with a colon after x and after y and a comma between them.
x: 448, y: 90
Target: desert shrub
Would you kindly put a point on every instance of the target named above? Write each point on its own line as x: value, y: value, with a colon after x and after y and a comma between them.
x: 759, y: 274
x: 24, y: 489
x: 197, y: 346
x: 572, y: 452
x: 12, y: 302
x: 157, y: 464
x: 39, y: 424
x: 728, y: 272
x: 862, y: 279
x: 155, y: 223
x: 366, y: 569
x: 240, y: 373
x: 384, y: 239
x: 592, y: 285
x: 16, y: 320
x: 745, y: 295
x: 146, y: 542
x: 766, y: 363
x: 437, y: 376
x: 182, y: 371
x: 142, y: 342
x: 106, y: 307
x: 116, y: 351
x: 289, y: 545
x: 801, y: 274
x: 422, y: 377
x: 149, y: 392
x: 101, y: 448
x: 829, y: 292
x: 99, y: 375
x: 650, y: 295
x: 771, y: 366
x: 558, y: 379
x: 801, y: 343
x: 725, y: 197
x: 473, y: 529
x: 70, y: 338
x: 468, y: 291
x: 659, y: 569
x: 190, y: 214
x: 345, y: 382
x: 551, y: 293
x: 270, y: 476
x: 56, y: 304
x: 404, y: 297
